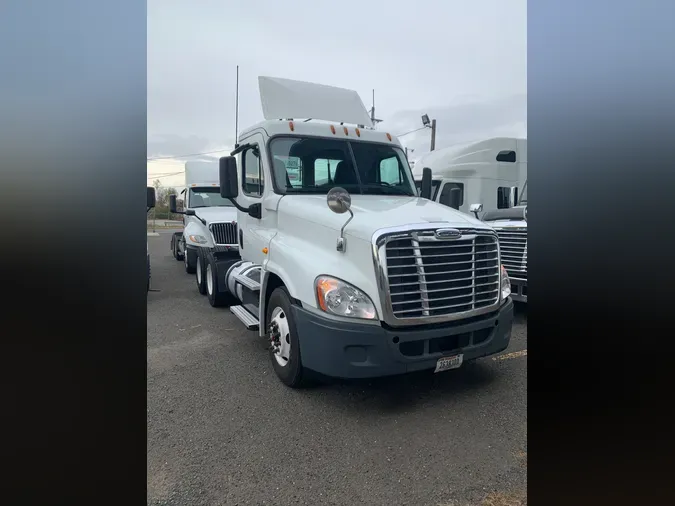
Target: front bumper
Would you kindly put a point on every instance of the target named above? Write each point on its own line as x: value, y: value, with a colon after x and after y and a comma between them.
x: 356, y: 350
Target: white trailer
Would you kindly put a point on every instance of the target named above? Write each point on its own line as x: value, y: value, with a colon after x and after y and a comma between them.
x: 210, y: 222
x: 489, y: 171
x: 345, y: 269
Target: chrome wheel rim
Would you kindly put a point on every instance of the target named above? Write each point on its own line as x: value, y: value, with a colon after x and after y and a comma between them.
x: 280, y: 333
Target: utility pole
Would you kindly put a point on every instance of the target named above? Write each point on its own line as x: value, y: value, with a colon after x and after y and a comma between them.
x: 433, y: 134
x: 406, y: 152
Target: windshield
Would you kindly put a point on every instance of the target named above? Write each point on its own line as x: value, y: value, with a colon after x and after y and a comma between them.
x: 206, y: 197
x: 315, y: 165
x: 435, y: 185
x: 523, y: 195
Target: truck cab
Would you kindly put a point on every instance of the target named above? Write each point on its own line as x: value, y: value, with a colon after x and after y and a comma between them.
x: 511, y: 227
x: 210, y: 221
x: 489, y: 171
x: 345, y: 267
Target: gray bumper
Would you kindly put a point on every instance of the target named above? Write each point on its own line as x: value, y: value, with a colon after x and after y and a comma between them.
x: 355, y: 350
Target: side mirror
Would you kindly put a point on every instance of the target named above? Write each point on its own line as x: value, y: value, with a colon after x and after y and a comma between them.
x: 451, y: 198
x: 150, y: 197
x: 339, y: 201
x: 425, y: 190
x: 172, y: 204
x: 229, y: 188
x: 475, y: 209
x: 455, y: 196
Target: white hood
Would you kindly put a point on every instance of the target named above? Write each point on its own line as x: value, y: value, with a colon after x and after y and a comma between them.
x: 374, y: 212
x: 216, y: 214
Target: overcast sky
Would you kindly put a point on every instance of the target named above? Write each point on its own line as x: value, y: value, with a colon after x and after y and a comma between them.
x: 463, y: 63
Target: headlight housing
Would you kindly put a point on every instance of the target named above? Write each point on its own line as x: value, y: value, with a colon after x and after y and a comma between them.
x: 339, y: 298
x: 505, y: 283
x: 199, y: 239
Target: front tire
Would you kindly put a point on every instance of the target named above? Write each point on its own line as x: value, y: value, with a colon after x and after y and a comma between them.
x: 284, y: 345
x: 200, y: 271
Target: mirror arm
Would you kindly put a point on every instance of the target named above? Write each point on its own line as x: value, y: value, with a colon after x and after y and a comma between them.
x: 253, y: 210
x: 341, y: 243
x: 236, y: 204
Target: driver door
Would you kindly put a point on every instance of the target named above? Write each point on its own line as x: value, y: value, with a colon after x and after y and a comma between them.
x: 252, y: 191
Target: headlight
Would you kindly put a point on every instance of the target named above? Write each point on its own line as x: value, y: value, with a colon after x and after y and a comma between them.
x: 505, y: 283
x: 199, y: 239
x: 342, y: 299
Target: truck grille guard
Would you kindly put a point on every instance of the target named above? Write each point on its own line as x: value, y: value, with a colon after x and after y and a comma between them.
x: 224, y: 233
x: 425, y: 279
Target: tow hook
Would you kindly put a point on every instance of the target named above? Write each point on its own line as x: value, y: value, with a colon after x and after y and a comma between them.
x: 274, y: 337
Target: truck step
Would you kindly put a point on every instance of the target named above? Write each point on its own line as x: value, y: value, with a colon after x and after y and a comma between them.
x: 245, y: 317
x: 249, y: 283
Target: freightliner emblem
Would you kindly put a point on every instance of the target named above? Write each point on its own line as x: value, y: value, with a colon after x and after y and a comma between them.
x: 447, y: 233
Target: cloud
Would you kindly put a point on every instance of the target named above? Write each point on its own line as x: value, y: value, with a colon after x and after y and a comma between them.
x: 462, y: 122
x: 463, y: 63
x: 175, y: 145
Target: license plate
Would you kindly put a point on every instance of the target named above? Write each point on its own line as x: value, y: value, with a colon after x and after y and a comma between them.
x: 447, y: 363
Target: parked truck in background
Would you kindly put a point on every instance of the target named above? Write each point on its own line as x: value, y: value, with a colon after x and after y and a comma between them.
x: 210, y: 222
x: 150, y: 203
x: 489, y: 171
x: 511, y: 227
x: 346, y: 268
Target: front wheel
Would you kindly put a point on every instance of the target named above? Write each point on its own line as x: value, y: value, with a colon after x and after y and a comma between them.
x: 284, y: 345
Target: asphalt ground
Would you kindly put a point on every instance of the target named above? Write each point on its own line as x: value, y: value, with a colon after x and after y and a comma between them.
x: 223, y: 430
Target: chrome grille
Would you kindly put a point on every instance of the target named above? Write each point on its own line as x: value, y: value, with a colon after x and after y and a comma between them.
x: 430, y: 278
x: 224, y: 233
x: 513, y: 246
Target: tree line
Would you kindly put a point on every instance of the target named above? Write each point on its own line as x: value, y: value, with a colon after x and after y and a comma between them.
x: 161, y: 209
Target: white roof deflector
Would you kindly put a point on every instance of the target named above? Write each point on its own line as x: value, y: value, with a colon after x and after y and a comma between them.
x: 286, y: 98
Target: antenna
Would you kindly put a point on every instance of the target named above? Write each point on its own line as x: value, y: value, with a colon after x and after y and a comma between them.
x: 236, y: 114
x: 372, y: 113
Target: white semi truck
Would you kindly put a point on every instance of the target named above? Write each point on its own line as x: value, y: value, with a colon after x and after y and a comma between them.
x: 210, y: 222
x: 489, y: 171
x: 511, y: 227
x: 346, y: 268
x: 150, y: 203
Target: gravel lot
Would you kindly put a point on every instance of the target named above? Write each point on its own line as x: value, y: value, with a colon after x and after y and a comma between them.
x: 223, y: 430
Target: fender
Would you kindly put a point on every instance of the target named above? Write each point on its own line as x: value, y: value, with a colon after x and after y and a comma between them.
x: 196, y: 228
x: 298, y: 262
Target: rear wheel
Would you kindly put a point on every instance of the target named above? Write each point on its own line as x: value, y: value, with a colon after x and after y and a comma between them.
x: 190, y: 260
x: 284, y: 345
x: 216, y: 297
x: 176, y: 251
x: 200, y: 270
